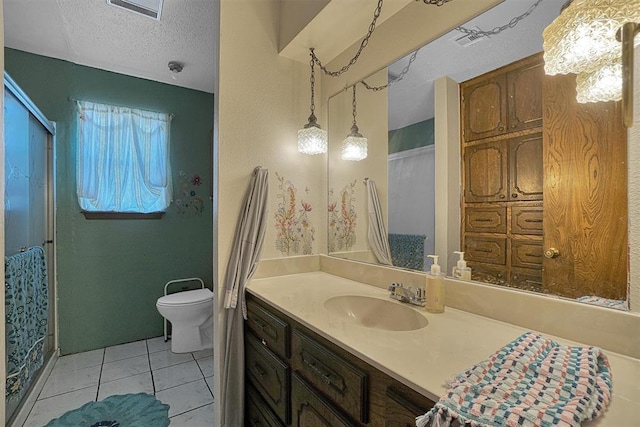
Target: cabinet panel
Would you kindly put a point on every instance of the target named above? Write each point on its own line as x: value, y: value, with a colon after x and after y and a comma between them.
x: 332, y: 375
x: 400, y: 411
x: 526, y: 220
x: 486, y: 172
x: 489, y: 273
x: 492, y: 250
x: 311, y: 410
x: 269, y: 375
x: 526, y: 168
x: 484, y: 107
x: 526, y: 253
x: 486, y: 220
x: 273, y: 331
x: 529, y: 280
x: 525, y: 94
x: 258, y: 413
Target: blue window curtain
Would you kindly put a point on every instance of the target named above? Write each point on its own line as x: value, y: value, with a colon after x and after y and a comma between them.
x: 123, y: 159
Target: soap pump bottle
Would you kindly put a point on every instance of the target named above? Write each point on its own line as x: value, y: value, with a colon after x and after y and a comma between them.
x: 461, y: 271
x: 434, y: 288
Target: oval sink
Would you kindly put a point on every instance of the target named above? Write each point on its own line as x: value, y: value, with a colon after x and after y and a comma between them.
x: 376, y: 313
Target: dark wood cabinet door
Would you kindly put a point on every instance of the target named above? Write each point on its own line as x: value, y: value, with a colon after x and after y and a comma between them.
x: 485, y: 219
x: 311, y: 410
x: 526, y: 220
x: 526, y: 168
x: 258, y: 413
x: 400, y: 411
x: 484, y: 104
x: 491, y: 250
x: 486, y: 172
x: 525, y: 94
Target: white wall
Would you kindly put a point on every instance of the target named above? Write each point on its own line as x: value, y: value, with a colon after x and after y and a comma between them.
x: 263, y: 100
x: 412, y: 194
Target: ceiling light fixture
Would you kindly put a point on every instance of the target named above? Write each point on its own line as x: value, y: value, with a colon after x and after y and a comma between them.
x: 312, y: 139
x: 175, y: 67
x: 354, y: 147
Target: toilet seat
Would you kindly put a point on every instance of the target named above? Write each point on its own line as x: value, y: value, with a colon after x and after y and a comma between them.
x: 186, y: 298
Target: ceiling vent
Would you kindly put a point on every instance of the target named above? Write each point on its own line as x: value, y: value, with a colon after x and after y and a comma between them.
x: 150, y: 8
x: 465, y: 40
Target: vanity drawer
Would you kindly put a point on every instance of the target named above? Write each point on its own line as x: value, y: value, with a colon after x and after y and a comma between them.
x: 489, y: 273
x: 312, y: 410
x: 272, y: 330
x: 491, y: 250
x: 526, y: 220
x: 269, y: 375
x: 526, y: 253
x: 486, y: 220
x: 336, y: 378
x: 258, y: 413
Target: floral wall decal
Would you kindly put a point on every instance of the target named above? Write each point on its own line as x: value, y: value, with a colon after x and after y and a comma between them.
x: 188, y: 201
x: 295, y: 231
x: 342, y: 222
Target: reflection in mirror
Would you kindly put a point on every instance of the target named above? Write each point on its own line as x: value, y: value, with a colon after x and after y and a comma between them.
x: 543, y: 200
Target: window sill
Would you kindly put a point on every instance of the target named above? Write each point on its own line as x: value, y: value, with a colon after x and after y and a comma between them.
x: 121, y: 215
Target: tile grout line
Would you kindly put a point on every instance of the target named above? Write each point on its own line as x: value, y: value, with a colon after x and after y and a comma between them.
x: 153, y: 381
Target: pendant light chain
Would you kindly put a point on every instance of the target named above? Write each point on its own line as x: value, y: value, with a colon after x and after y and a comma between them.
x: 401, y: 76
x: 498, y: 30
x: 436, y: 2
x: 312, y: 79
x: 363, y: 44
x: 354, y: 105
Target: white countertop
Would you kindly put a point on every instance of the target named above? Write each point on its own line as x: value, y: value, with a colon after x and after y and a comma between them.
x: 426, y: 358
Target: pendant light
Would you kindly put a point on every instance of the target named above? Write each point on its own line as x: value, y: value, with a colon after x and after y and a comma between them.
x: 312, y: 139
x: 354, y: 147
x: 582, y: 40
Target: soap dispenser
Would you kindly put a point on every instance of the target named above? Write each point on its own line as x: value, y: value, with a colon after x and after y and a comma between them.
x: 461, y: 271
x: 434, y: 287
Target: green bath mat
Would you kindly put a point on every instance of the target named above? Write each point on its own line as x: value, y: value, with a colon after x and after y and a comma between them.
x: 125, y: 410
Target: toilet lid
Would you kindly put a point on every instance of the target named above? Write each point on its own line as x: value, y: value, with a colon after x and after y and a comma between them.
x: 186, y: 297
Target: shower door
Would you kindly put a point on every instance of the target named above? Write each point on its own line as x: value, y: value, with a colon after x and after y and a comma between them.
x: 28, y: 202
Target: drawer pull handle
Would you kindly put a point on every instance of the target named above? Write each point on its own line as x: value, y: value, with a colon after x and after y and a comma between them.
x: 532, y: 220
x: 266, y: 328
x: 324, y: 373
x: 486, y: 251
x: 259, y: 370
x: 483, y: 220
x: 534, y: 255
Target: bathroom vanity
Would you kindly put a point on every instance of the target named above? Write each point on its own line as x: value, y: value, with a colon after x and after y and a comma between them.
x: 308, y: 363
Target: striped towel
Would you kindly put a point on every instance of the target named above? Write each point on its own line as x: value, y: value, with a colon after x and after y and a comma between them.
x: 532, y: 381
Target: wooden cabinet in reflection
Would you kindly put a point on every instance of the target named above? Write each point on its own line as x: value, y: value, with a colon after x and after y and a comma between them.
x: 542, y: 172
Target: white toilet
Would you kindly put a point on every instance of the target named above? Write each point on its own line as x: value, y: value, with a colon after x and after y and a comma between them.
x: 191, y: 317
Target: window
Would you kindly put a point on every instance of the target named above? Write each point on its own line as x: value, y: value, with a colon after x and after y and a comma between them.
x: 123, y: 159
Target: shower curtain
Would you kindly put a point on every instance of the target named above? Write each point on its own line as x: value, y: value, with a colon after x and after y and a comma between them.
x: 377, y: 231
x: 243, y: 261
x: 26, y: 304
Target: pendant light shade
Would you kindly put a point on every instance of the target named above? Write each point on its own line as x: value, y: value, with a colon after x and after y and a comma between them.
x: 583, y: 37
x: 602, y: 85
x: 312, y: 139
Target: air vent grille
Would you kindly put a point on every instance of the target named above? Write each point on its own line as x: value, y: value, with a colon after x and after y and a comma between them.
x: 465, y: 40
x: 150, y: 8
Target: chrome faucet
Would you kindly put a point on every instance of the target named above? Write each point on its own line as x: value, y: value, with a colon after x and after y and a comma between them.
x: 410, y: 295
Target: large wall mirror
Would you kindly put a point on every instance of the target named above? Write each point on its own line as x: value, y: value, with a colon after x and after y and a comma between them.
x: 530, y: 207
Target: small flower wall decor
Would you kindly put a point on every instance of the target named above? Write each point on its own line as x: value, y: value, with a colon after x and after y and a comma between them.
x: 295, y: 231
x: 189, y: 203
x: 343, y: 221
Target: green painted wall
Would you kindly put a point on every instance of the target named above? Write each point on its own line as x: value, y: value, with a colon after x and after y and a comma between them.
x: 413, y: 136
x: 111, y: 272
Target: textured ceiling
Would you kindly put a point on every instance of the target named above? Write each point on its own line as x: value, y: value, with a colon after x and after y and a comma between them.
x: 411, y: 100
x: 93, y: 33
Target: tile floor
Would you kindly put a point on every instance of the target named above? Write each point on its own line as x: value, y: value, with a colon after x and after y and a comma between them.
x: 183, y: 381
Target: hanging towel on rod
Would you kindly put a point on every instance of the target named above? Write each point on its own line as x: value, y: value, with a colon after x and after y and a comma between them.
x: 26, y: 304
